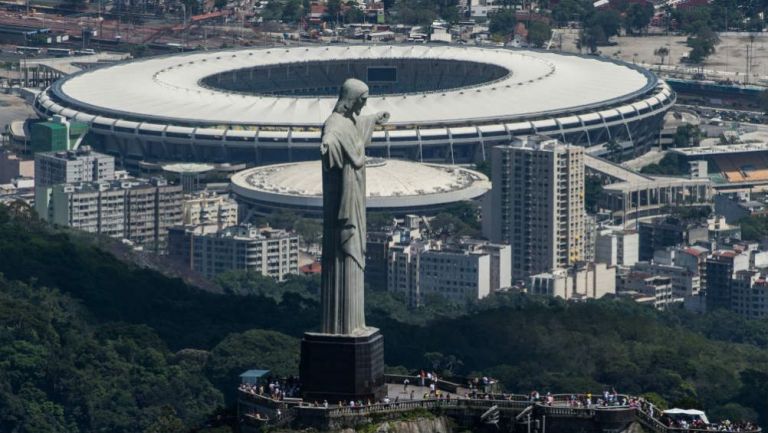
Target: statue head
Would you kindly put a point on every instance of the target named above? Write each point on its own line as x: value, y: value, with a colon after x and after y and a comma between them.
x: 352, y: 97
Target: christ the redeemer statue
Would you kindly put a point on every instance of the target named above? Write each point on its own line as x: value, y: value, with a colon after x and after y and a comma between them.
x: 345, y: 135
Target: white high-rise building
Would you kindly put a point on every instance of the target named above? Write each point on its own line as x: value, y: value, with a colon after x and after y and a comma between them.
x: 537, y: 204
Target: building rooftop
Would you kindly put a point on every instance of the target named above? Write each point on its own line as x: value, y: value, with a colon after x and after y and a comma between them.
x: 389, y: 182
x: 188, y: 168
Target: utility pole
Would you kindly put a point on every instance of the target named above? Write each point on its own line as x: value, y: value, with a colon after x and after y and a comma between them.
x: 750, y: 53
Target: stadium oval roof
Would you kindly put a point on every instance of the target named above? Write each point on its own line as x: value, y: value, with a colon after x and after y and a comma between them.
x: 169, y: 89
x: 390, y: 184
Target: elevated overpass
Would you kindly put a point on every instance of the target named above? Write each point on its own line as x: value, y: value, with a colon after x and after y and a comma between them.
x: 632, y: 195
x: 44, y: 71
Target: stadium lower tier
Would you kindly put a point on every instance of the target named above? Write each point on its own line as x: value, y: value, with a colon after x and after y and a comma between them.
x: 449, y: 145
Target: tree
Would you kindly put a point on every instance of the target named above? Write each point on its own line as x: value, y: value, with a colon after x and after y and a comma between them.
x: 273, y: 11
x: 539, y: 34
x: 609, y: 21
x: 502, y: 22
x: 702, y: 44
x: 614, y: 150
x: 638, y: 17
x: 257, y: 348
x: 671, y: 164
x: 292, y: 11
x: 484, y: 167
x: 593, y: 189
x: 686, y: 136
x: 566, y: 11
x: 333, y: 8
x: 589, y: 37
x: 354, y: 15
x: 662, y: 53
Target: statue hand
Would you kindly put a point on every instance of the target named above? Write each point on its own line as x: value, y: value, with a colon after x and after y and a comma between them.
x: 382, y: 117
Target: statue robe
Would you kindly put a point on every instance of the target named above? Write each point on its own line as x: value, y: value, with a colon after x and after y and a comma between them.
x: 344, y: 226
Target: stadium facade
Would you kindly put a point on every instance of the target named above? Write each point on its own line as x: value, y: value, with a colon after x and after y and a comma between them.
x: 448, y: 103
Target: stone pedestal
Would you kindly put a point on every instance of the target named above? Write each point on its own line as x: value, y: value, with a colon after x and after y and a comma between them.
x: 342, y: 367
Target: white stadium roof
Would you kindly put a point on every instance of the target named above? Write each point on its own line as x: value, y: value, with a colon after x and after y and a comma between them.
x: 169, y: 89
x: 390, y: 183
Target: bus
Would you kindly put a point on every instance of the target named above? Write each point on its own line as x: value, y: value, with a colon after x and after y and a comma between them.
x: 59, y: 52
x: 85, y: 52
x: 29, y: 50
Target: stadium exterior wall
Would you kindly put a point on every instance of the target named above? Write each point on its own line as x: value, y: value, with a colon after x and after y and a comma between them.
x: 454, y: 145
x: 637, y: 120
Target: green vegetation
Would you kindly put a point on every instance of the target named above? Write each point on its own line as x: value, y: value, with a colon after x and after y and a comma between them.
x: 539, y: 34
x: 93, y: 344
x: 290, y: 11
x: 662, y: 52
x: 687, y: 136
x: 461, y: 219
x: 687, y: 213
x: 671, y: 165
x: 484, y: 167
x: 423, y: 12
x: 60, y: 373
x: 637, y: 17
x: 702, y: 44
x: 593, y: 189
x: 502, y: 22
x: 754, y: 227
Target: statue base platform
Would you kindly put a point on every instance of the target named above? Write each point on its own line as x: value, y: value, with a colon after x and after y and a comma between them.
x: 342, y: 367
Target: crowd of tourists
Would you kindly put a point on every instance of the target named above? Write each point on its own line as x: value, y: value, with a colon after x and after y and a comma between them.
x: 274, y: 388
x: 697, y: 424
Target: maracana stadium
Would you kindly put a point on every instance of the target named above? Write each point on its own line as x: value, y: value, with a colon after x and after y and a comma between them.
x: 448, y: 104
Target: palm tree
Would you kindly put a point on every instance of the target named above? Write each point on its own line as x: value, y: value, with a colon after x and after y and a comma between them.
x: 662, y: 52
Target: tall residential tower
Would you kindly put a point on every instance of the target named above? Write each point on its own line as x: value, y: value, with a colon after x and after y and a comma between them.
x: 537, y: 204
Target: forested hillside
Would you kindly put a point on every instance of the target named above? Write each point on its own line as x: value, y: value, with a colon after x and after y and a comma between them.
x: 91, y: 344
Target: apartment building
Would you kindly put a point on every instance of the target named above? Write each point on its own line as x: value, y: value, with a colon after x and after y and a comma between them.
x: 134, y: 209
x: 537, y: 204
x: 211, y: 250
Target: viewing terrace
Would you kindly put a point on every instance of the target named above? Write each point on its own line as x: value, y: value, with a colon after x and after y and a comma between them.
x: 564, y: 413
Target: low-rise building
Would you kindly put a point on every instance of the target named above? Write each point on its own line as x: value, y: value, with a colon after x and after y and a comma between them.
x: 469, y: 270
x: 722, y: 266
x: 13, y: 166
x: 212, y: 251
x: 669, y: 232
x: 70, y: 166
x: 617, y: 247
x: 209, y: 208
x: 585, y: 281
x: 749, y: 294
x: 685, y: 283
x: 654, y: 291
x: 734, y: 207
